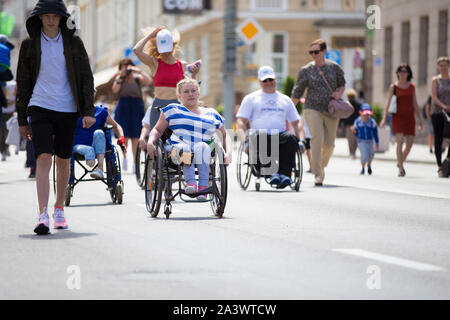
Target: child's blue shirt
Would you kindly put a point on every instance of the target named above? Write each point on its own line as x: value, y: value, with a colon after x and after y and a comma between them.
x: 367, y: 130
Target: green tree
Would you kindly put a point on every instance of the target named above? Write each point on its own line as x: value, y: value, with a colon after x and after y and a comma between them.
x: 288, y: 85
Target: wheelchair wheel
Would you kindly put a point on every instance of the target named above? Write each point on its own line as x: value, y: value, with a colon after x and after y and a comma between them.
x: 68, y: 195
x: 297, y: 173
x: 153, y: 183
x: 140, y: 167
x: 119, y: 193
x: 244, y: 170
x: 113, y: 175
x: 220, y: 185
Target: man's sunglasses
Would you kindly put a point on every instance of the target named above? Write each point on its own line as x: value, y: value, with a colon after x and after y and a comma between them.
x: 268, y: 80
x: 314, y: 52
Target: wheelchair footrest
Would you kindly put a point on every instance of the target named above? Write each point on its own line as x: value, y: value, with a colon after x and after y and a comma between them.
x: 208, y: 190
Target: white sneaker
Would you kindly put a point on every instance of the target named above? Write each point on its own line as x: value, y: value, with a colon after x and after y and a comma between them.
x: 97, y: 174
x: 318, y: 181
x: 124, y: 165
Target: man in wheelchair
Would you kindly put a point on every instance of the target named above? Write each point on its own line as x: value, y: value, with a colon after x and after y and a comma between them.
x: 91, y: 142
x: 193, y: 128
x: 264, y: 114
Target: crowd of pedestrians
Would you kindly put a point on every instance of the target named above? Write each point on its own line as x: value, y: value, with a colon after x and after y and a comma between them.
x: 53, y: 100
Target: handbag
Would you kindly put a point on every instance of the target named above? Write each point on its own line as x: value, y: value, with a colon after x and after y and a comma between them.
x: 446, y: 131
x: 393, y: 105
x: 337, y: 108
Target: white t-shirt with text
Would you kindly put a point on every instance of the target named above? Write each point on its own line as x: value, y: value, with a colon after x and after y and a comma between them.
x: 268, y: 111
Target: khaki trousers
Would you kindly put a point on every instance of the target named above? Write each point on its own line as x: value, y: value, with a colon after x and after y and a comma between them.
x: 323, y: 129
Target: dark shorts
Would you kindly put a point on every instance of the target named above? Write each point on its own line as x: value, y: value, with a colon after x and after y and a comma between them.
x: 52, y: 132
x: 308, y: 143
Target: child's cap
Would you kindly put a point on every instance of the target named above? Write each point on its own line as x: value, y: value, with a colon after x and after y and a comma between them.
x: 366, y: 109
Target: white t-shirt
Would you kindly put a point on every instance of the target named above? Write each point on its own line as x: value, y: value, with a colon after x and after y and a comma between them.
x: 52, y: 90
x: 268, y: 110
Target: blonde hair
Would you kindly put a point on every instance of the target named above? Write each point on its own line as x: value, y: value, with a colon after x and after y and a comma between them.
x: 443, y: 59
x: 351, y: 94
x: 186, y: 81
x: 151, y: 48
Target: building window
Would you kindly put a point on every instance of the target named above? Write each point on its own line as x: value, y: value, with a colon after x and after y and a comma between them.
x: 268, y: 5
x: 387, y: 57
x: 443, y: 32
x: 405, y: 41
x: 280, y: 57
x: 423, y: 52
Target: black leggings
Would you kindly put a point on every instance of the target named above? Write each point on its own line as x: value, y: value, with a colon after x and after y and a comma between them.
x: 438, y: 121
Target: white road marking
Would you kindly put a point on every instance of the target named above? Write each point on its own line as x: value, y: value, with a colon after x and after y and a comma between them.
x: 391, y: 260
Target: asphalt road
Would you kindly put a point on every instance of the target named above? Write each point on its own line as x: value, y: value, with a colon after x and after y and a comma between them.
x: 359, y: 237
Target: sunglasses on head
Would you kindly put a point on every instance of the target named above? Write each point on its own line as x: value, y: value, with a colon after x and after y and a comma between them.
x: 268, y: 80
x: 311, y: 52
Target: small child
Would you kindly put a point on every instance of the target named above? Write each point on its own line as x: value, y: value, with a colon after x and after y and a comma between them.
x: 366, y: 131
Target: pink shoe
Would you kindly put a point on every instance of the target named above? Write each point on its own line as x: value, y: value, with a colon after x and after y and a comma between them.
x: 191, y: 188
x: 202, y: 197
x: 60, y: 221
x: 42, y: 227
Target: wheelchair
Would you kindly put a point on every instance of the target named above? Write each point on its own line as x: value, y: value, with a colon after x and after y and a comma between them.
x: 245, y: 170
x: 113, y: 179
x: 140, y: 167
x: 161, y: 172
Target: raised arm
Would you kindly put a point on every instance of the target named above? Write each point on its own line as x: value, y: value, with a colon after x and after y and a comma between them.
x: 139, y: 50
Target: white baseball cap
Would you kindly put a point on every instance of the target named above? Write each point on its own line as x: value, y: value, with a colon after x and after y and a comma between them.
x: 164, y: 41
x: 266, y: 72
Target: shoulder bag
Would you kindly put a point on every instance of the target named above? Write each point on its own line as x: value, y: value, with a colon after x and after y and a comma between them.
x: 337, y: 108
x: 393, y: 105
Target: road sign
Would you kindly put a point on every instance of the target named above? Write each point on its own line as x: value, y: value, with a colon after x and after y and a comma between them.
x: 334, y: 55
x: 249, y: 31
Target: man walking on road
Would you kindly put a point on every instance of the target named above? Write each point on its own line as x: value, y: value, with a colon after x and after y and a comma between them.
x: 54, y: 86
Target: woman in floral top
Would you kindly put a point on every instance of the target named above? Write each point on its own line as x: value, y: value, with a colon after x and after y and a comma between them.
x: 322, y: 125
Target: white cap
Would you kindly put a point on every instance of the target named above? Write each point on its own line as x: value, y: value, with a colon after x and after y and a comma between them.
x: 164, y: 41
x: 266, y: 72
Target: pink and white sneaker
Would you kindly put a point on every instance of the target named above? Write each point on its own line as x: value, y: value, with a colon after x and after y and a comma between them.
x: 60, y: 221
x: 42, y: 227
x: 191, y: 188
x: 202, y: 197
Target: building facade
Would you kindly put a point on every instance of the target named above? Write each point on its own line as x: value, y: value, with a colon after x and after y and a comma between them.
x: 110, y: 28
x: 414, y: 32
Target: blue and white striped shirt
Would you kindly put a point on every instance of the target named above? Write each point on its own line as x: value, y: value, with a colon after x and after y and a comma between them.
x: 189, y: 127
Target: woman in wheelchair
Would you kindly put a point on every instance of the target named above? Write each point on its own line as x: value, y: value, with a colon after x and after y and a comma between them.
x: 91, y: 142
x: 193, y: 128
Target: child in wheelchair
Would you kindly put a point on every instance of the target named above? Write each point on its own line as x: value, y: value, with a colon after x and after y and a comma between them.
x: 91, y: 142
x: 193, y: 128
